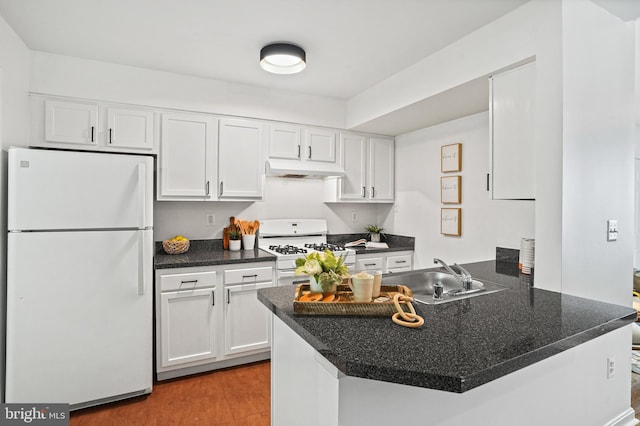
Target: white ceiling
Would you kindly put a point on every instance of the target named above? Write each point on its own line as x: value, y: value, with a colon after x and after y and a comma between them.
x: 351, y: 44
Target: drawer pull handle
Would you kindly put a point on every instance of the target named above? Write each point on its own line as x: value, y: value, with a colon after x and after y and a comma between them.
x: 401, y: 261
x: 369, y: 264
x: 213, y: 298
x: 92, y: 129
x: 110, y: 135
x: 228, y: 296
x: 188, y: 281
x: 250, y: 276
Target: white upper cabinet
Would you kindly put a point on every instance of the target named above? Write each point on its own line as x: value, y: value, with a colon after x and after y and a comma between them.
x: 285, y: 141
x: 188, y: 157
x: 71, y: 122
x: 512, y: 122
x: 353, y: 186
x: 240, y: 161
x: 369, y: 170
x: 320, y: 145
x: 381, y: 169
x: 92, y: 126
x: 129, y: 128
x: 291, y: 142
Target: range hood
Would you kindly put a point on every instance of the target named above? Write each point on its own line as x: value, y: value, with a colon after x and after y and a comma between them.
x: 302, y: 169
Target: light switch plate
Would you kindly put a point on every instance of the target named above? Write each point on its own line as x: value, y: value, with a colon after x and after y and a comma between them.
x: 612, y: 230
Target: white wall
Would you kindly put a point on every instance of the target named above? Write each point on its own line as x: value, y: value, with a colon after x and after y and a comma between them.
x: 67, y: 76
x: 486, y: 223
x: 598, y: 151
x: 290, y: 198
x: 533, y: 30
x: 14, y: 130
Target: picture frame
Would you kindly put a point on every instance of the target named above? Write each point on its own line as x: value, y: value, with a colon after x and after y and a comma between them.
x: 451, y: 158
x: 451, y: 189
x: 451, y: 221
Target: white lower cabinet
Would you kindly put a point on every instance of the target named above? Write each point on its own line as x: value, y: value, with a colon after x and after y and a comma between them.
x: 204, y: 324
x: 389, y: 262
x: 247, y: 325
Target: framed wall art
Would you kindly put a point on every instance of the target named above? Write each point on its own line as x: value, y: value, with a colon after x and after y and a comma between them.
x: 451, y: 158
x: 451, y: 221
x: 450, y: 189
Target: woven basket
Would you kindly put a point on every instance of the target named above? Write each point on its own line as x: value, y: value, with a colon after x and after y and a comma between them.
x: 175, y: 247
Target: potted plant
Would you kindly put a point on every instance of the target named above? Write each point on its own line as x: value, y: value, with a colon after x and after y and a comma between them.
x: 374, y: 232
x: 325, y: 270
x: 234, y: 239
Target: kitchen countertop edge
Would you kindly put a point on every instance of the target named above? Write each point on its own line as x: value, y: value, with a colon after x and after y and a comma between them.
x: 445, y: 382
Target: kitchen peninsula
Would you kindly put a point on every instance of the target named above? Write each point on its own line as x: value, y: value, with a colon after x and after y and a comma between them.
x: 506, y: 358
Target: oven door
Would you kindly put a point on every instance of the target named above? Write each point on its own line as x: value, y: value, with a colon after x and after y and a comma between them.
x: 287, y: 277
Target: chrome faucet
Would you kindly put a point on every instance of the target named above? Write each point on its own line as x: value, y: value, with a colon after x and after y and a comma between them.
x: 464, y: 277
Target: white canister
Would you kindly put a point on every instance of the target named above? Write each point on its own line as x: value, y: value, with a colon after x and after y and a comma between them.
x: 249, y: 241
x: 527, y: 254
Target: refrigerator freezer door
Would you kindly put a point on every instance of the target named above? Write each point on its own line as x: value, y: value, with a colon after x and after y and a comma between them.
x: 78, y: 327
x: 78, y: 190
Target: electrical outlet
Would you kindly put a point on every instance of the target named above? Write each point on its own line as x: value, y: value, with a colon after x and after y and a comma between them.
x: 612, y: 230
x: 211, y: 219
x: 354, y: 216
x: 611, y: 367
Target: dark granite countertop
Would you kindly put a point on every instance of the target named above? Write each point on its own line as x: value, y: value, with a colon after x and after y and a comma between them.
x: 210, y: 252
x: 395, y: 242
x: 463, y: 344
x: 206, y: 253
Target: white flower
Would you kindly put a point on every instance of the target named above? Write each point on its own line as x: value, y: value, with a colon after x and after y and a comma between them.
x: 312, y: 267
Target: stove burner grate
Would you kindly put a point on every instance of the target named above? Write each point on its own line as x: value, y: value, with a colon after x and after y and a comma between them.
x: 288, y: 249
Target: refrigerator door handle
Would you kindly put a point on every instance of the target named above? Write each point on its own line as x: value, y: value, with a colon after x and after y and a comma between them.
x: 142, y: 194
x: 141, y: 263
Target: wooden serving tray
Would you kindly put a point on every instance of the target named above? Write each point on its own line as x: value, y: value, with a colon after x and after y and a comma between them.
x: 344, y: 304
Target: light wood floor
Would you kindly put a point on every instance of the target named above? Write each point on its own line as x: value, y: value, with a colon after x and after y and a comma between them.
x: 234, y: 396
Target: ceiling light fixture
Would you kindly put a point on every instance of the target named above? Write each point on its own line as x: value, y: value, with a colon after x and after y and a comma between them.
x: 283, y: 58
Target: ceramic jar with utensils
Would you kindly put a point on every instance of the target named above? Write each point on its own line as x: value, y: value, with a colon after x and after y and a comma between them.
x: 362, y: 287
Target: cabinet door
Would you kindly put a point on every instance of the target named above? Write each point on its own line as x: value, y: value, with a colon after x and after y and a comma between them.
x: 247, y: 322
x: 188, y: 326
x: 320, y: 145
x: 188, y: 157
x: 240, y: 163
x: 71, y: 122
x: 285, y: 141
x: 353, y: 185
x: 512, y: 118
x: 129, y: 128
x: 381, y: 169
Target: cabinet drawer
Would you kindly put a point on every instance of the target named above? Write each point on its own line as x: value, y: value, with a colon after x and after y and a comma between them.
x: 249, y: 275
x: 402, y: 261
x: 174, y: 282
x: 402, y: 269
x: 369, y: 263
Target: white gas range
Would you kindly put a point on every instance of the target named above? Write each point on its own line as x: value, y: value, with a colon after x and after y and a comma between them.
x: 290, y: 239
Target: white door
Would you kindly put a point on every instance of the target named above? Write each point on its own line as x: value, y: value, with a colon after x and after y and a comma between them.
x: 79, y: 315
x: 78, y: 190
x: 285, y: 141
x: 354, y: 154
x: 129, y: 128
x: 381, y: 169
x: 188, y: 326
x: 320, y: 145
x: 241, y: 164
x: 188, y: 157
x: 247, y: 323
x: 71, y: 122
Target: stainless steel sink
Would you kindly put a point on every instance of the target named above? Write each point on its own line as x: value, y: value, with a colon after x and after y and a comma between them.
x: 421, y: 282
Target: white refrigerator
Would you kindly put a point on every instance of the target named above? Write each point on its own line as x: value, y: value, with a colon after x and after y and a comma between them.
x: 79, y: 277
